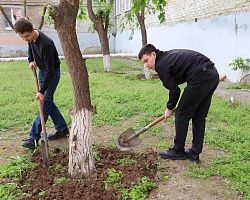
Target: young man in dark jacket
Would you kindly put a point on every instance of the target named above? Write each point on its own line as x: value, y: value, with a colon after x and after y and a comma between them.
x: 42, y: 53
x: 175, y: 67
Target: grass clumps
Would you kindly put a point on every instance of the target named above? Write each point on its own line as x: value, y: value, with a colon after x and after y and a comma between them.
x: 17, y: 165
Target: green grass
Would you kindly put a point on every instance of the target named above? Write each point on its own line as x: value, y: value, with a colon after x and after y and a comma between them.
x: 228, y: 128
x: 239, y: 86
x: 126, y: 161
x: 110, y: 92
x: 7, y: 190
x: 15, y: 166
x: 139, y: 190
x: 119, y: 96
x: 10, y: 191
x: 12, y: 170
x: 59, y: 181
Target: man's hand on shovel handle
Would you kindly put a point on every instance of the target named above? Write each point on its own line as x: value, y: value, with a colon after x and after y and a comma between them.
x: 39, y: 96
x: 168, y: 113
x: 32, y: 65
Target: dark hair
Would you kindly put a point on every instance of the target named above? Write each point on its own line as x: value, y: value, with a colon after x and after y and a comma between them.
x: 147, y: 49
x: 23, y: 25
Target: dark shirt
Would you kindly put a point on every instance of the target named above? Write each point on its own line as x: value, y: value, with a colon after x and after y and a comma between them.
x: 44, y: 53
x: 178, y: 66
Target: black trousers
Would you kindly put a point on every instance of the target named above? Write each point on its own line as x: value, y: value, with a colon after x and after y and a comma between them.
x: 194, y: 104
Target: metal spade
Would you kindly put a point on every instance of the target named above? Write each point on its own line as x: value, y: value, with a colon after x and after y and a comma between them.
x: 130, y: 138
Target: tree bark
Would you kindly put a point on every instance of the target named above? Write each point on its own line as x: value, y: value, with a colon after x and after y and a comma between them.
x: 141, y: 20
x: 24, y: 8
x: 103, y: 36
x: 81, y: 160
x: 42, y: 18
x: 102, y: 30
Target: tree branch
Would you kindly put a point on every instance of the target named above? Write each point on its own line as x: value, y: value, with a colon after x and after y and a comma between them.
x: 24, y: 8
x: 91, y: 13
x: 6, y: 17
x: 42, y: 17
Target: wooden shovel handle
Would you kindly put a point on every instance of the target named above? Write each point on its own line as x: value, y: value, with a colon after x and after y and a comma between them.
x: 39, y: 101
x: 156, y: 121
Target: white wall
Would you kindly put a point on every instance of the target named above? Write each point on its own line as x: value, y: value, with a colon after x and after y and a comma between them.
x: 220, y: 38
x: 15, y: 47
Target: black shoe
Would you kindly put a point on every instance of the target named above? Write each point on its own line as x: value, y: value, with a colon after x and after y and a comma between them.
x: 29, y: 143
x: 192, y: 156
x: 59, y: 134
x: 172, y: 155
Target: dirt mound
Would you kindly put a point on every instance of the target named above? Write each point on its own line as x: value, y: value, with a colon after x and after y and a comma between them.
x: 55, y: 182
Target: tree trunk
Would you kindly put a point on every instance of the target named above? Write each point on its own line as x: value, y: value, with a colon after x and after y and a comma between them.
x: 24, y: 8
x: 42, y: 18
x: 107, y: 62
x: 103, y: 36
x: 81, y: 160
x: 102, y: 30
x: 141, y: 20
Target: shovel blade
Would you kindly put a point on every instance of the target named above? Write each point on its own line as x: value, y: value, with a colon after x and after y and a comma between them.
x: 128, y: 139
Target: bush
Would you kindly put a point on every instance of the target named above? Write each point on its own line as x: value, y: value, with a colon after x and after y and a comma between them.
x: 240, y: 63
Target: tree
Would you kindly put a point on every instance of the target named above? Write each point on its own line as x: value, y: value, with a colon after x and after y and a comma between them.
x: 101, y: 20
x: 135, y: 17
x: 81, y: 160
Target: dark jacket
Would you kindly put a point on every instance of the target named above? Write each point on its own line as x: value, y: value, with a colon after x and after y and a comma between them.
x: 178, y: 66
x: 44, y: 53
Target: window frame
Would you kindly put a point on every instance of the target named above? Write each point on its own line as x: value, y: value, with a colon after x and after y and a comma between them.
x: 117, y: 7
x: 8, y: 27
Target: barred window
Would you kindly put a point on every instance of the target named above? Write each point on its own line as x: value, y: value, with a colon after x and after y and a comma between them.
x: 117, y: 7
x: 127, y: 5
x: 13, y: 14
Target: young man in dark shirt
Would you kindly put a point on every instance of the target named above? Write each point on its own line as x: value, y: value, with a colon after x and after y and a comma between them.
x: 179, y: 66
x: 42, y: 53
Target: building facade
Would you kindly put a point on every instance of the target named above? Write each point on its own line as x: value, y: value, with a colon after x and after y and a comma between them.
x: 13, y: 46
x: 219, y: 29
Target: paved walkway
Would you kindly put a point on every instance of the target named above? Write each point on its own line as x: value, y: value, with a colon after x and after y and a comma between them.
x: 85, y: 56
x: 238, y: 95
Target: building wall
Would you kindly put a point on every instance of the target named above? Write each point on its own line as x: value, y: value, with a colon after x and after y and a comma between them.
x: 220, y: 38
x: 34, y: 10
x: 13, y: 46
x: 192, y: 10
x: 179, y: 11
x: 219, y: 29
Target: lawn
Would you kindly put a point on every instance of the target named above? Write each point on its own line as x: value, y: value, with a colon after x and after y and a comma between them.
x: 119, y: 96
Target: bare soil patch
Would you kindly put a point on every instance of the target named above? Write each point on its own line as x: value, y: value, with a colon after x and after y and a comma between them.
x: 42, y: 180
x: 172, y: 182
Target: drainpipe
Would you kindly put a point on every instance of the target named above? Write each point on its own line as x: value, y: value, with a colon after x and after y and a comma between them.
x: 114, y: 30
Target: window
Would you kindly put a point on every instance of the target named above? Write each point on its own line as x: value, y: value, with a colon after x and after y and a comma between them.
x: 117, y: 7
x: 127, y: 5
x: 13, y: 14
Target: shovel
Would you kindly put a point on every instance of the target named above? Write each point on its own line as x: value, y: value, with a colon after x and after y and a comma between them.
x: 44, y: 140
x: 130, y: 138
